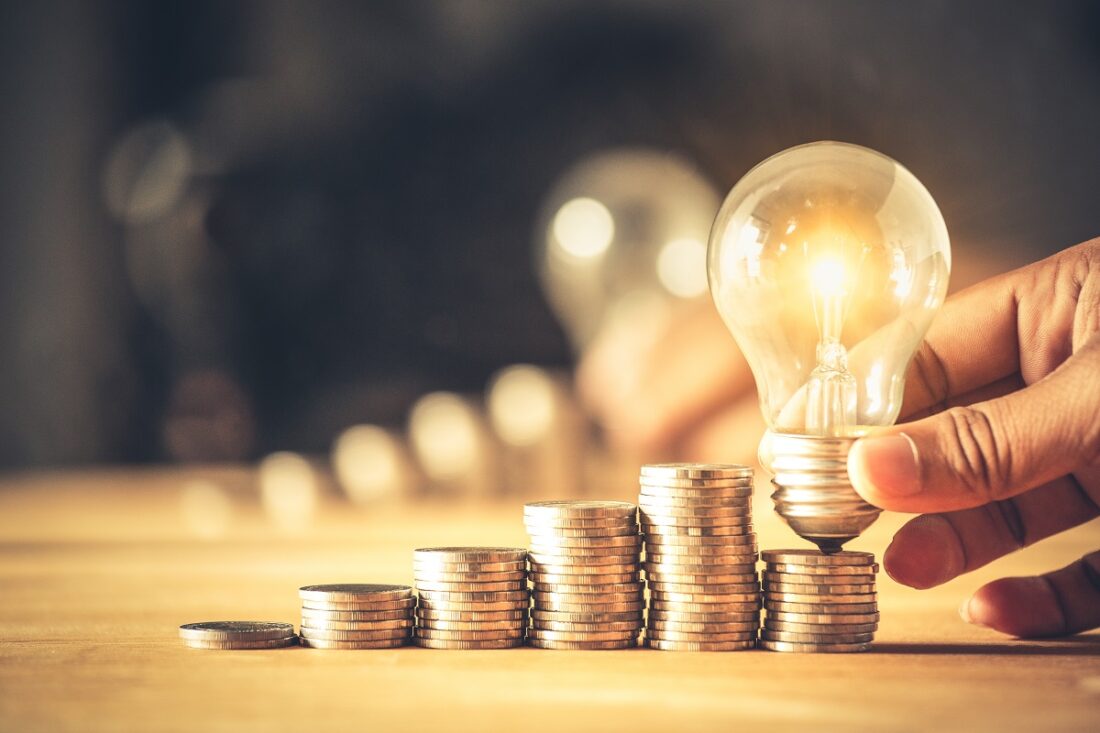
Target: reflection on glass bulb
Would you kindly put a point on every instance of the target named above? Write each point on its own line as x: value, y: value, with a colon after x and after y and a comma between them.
x: 827, y: 263
x: 619, y: 224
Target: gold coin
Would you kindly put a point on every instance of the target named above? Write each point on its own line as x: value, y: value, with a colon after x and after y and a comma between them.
x: 695, y: 471
x: 745, y: 553
x: 823, y: 570
x: 470, y: 616
x: 542, y: 617
x: 816, y: 638
x: 746, y: 617
x: 773, y: 577
x: 675, y: 486
x: 703, y: 627
x: 551, y: 522
x: 694, y: 513
x: 633, y: 625
x: 435, y: 577
x: 433, y: 567
x: 687, y: 646
x: 823, y: 618
x: 816, y: 557
x: 359, y: 605
x: 236, y: 630
x: 583, y: 645
x: 686, y: 579
x: 358, y: 616
x: 777, y: 625
x: 568, y: 558
x: 511, y: 585
x: 706, y: 597
x: 628, y: 541
x: 454, y: 606
x: 653, y: 519
x: 790, y: 646
x: 742, y: 540
x: 585, y: 589
x: 467, y: 645
x: 593, y: 579
x: 550, y: 635
x: 316, y: 623
x: 823, y: 599
x: 470, y: 554
x: 579, y: 509
x: 828, y: 608
x: 488, y: 596
x: 472, y: 625
x: 703, y: 608
x: 669, y: 635
x: 552, y: 534
x: 811, y: 590
x: 594, y: 608
x: 700, y: 570
x: 336, y: 635
x: 363, y: 644
x: 736, y: 504
x: 585, y: 553
x: 455, y: 635
x: 662, y: 558
x: 703, y: 588
x: 673, y: 530
x: 228, y: 644
x: 571, y: 570
x: 357, y: 592
x: 552, y: 598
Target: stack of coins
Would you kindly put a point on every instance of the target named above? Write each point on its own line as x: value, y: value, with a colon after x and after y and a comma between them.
x: 819, y: 603
x: 238, y: 635
x: 471, y: 597
x: 585, y: 560
x: 356, y: 616
x: 700, y: 557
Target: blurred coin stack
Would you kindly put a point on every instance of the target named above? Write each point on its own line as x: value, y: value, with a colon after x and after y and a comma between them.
x: 701, y: 555
x: 238, y: 635
x: 819, y: 603
x: 356, y: 616
x: 471, y: 597
x: 585, y: 561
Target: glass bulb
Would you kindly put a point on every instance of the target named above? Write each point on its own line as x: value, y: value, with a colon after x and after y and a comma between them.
x: 624, y: 230
x: 827, y: 262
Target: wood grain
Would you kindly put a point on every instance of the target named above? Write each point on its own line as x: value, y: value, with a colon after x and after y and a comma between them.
x: 98, y: 568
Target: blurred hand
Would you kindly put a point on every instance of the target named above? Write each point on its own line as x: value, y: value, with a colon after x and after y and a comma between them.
x: 1004, y: 449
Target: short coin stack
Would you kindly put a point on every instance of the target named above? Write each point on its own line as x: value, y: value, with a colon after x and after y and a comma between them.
x: 238, y: 635
x: 471, y: 597
x: 356, y: 616
x: 585, y: 561
x: 700, y: 557
x: 819, y: 603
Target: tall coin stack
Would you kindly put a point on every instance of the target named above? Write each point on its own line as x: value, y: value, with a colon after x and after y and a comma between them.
x: 471, y: 597
x: 356, y: 616
x: 819, y: 603
x: 585, y: 561
x: 700, y: 557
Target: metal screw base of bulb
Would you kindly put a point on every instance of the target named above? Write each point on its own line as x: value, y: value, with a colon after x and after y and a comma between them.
x: 813, y: 494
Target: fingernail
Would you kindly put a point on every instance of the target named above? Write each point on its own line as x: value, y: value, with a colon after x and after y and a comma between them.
x: 964, y: 611
x: 885, y: 465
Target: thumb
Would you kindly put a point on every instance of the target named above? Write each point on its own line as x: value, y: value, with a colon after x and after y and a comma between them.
x: 969, y: 456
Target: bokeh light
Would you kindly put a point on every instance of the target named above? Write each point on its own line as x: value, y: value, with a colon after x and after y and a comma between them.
x: 289, y: 491
x: 370, y: 464
x: 522, y: 404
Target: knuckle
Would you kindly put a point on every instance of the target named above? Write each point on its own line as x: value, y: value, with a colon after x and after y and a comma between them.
x: 976, y: 453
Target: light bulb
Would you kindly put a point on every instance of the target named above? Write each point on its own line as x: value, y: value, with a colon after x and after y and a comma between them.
x: 623, y: 230
x: 827, y: 262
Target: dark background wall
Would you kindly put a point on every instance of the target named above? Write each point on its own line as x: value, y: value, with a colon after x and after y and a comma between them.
x: 227, y: 228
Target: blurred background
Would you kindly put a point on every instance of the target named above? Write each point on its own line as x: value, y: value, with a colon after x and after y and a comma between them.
x: 337, y: 237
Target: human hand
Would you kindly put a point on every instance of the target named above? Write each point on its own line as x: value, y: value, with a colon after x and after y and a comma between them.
x: 1004, y: 445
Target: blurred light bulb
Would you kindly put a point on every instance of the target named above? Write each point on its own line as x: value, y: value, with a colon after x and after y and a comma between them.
x: 288, y: 490
x: 522, y: 404
x: 622, y: 224
x: 445, y: 435
x: 827, y: 262
x: 369, y: 463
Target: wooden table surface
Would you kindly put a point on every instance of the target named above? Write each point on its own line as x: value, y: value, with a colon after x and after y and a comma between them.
x: 99, y: 568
